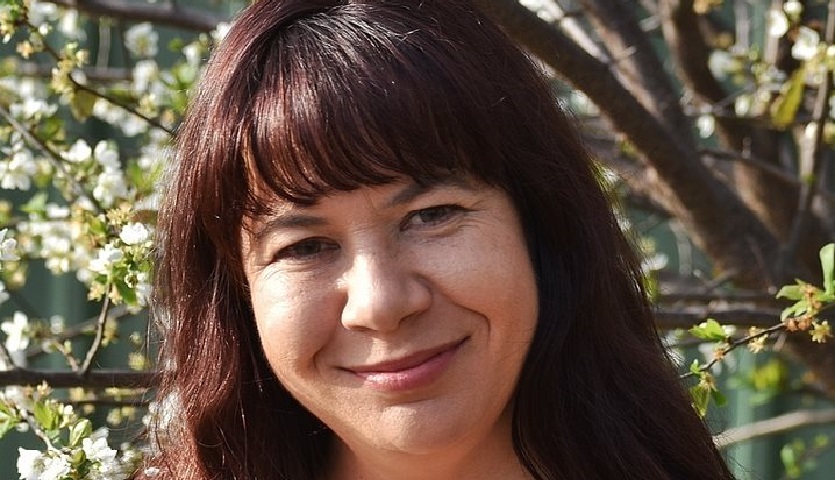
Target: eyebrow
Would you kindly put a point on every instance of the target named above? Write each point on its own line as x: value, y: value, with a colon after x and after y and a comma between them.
x: 410, y: 192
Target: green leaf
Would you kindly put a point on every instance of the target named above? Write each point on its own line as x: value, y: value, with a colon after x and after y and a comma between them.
x: 694, y: 367
x: 784, y: 108
x: 799, y: 308
x: 80, y: 431
x: 36, y: 205
x: 709, y: 330
x: 46, y: 416
x: 701, y: 397
x: 81, y: 105
x: 128, y: 294
x: 8, y: 419
x: 718, y: 398
x: 791, y: 292
x: 827, y: 255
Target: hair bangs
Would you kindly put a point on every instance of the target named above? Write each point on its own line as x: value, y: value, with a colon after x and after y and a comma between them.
x: 343, y: 103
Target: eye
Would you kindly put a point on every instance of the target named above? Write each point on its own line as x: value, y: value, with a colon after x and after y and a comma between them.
x: 432, y: 216
x: 307, y: 249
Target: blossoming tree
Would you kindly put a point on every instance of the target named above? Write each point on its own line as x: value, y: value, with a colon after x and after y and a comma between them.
x: 729, y: 147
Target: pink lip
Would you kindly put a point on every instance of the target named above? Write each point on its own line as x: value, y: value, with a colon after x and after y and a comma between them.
x: 410, y: 372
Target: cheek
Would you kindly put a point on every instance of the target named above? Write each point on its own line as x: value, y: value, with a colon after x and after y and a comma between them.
x: 292, y: 324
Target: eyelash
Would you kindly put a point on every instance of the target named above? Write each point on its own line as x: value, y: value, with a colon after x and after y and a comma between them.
x: 448, y: 212
x: 321, y: 245
x: 294, y: 251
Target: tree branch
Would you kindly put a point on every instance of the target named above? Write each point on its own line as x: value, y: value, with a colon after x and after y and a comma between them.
x: 678, y: 179
x: 811, y: 156
x: 672, y: 318
x: 639, y: 65
x: 168, y: 14
x: 100, y: 326
x: 775, y: 425
x: 54, y: 159
x: 66, y: 379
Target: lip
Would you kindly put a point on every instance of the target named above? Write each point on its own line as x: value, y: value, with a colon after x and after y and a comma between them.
x: 410, y: 372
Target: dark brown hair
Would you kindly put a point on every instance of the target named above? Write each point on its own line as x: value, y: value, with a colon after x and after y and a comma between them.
x: 307, y: 96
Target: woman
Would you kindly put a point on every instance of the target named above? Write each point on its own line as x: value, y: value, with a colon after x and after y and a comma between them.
x: 385, y: 254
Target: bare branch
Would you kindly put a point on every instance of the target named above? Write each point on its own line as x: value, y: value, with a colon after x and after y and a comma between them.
x: 100, y: 326
x: 774, y: 426
x: 169, y: 14
x: 67, y: 379
x: 638, y: 64
x: 671, y: 318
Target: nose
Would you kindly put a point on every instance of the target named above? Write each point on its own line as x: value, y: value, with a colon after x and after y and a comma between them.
x: 381, y: 292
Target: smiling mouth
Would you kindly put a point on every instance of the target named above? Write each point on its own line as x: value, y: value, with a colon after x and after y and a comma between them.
x: 410, y: 372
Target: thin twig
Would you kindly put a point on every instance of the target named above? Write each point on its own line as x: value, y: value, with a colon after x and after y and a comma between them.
x: 123, y: 106
x: 100, y: 326
x: 86, y: 326
x: 6, y: 357
x: 721, y: 353
x: 68, y: 356
x: 92, y: 91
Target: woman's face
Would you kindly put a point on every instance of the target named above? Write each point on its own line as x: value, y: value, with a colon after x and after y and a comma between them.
x: 399, y: 315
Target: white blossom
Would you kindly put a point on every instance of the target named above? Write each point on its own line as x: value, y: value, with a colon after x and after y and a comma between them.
x: 142, y: 288
x: 30, y: 107
x: 17, y: 172
x: 98, y: 450
x: 40, y: 12
x: 134, y: 233
x: 4, y: 295
x: 30, y: 464
x: 655, y: 262
x: 7, y: 247
x: 706, y: 123
x: 133, y: 125
x: 109, y: 186
x: 106, y: 257
x: 79, y: 152
x: 544, y: 9
x: 108, y: 112
x: 793, y: 7
x: 69, y: 25
x: 219, y: 33
x: 107, y: 155
x: 778, y: 24
x: 57, y: 212
x: 144, y: 72
x: 141, y: 40
x: 17, y: 332
x: 806, y: 45
x: 720, y: 62
x: 192, y: 53
x: 56, y: 466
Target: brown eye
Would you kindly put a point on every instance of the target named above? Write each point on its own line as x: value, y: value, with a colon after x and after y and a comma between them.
x: 306, y: 249
x: 432, y: 216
